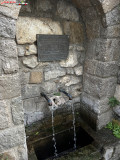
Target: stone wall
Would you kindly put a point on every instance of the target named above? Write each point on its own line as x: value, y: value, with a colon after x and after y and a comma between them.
x: 12, y: 131
x: 47, y: 17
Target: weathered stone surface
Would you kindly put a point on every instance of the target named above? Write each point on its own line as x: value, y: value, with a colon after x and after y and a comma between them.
x: 21, y: 50
x: 7, y: 27
x: 70, y: 80
x: 30, y: 62
x: 118, y: 77
x: 13, y: 10
x: 54, y: 71
x: 30, y: 91
x: 10, y: 65
x: 32, y: 49
x: 12, y: 137
x: 24, y: 77
x: 99, y: 87
x: 43, y: 107
x: 82, y: 4
x: 113, y: 31
x: 4, y: 116
x: 78, y: 70
x: 36, y: 77
x: 104, y: 119
x: 25, y: 8
x: 10, y: 155
x: 89, y: 14
x: 93, y: 29
x: 101, y: 69
x: 33, y: 117
x: 71, y: 60
x: 108, y: 153
x: 107, y: 49
x: 17, y: 111
x: 49, y: 87
x: 108, y: 5
x: 75, y: 90
x: 22, y: 152
x: 95, y: 104
x: 75, y: 31
x: 67, y: 11
x: 29, y: 106
x: 8, y: 48
x: 117, y: 93
x: 80, y: 48
x: 27, y: 28
x: 70, y: 70
x: 44, y: 5
x: 117, y: 110
x: 113, y: 17
x: 9, y: 86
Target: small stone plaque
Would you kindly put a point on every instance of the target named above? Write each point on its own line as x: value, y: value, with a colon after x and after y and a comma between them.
x: 52, y: 47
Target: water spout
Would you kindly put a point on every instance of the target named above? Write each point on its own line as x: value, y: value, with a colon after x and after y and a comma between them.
x: 46, y: 97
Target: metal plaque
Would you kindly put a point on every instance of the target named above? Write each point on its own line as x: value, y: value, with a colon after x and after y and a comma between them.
x: 52, y: 47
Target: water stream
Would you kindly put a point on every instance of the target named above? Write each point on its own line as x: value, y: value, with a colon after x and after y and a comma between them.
x: 74, y: 129
x: 54, y: 139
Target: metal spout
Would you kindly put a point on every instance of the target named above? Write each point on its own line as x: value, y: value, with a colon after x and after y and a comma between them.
x: 46, y: 97
x: 67, y: 94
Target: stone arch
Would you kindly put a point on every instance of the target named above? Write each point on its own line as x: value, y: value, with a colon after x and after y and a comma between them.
x: 99, y: 78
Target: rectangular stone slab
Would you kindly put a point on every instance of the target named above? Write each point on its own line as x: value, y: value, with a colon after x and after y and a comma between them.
x: 52, y: 47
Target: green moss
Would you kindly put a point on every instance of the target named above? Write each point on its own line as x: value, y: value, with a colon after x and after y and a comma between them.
x: 113, y: 102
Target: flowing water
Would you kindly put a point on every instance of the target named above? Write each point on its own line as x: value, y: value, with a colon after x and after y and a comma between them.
x: 54, y: 139
x: 74, y: 129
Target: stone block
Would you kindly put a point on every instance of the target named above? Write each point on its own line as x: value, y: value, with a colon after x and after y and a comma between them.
x: 13, y: 11
x: 30, y: 91
x: 101, y: 69
x: 7, y: 27
x: 9, y: 155
x: 99, y: 87
x: 93, y: 29
x: 17, y: 111
x: 107, y: 49
x: 49, y: 87
x: 31, y: 49
x: 75, y: 31
x: 22, y: 152
x: 78, y: 70
x: 75, y: 90
x: 67, y: 11
x: 24, y: 77
x: 4, y: 116
x: 70, y: 70
x: 28, y: 27
x: 21, y: 50
x: 54, y: 71
x: 118, y: 77
x: 30, y: 62
x: 9, y: 86
x: 34, y: 117
x: 108, y: 152
x: 104, y: 119
x: 71, y: 61
x: 44, y: 5
x: 117, y: 92
x: 108, y: 5
x: 113, y: 31
x: 10, y: 65
x: 95, y: 105
x: 82, y: 4
x: 8, y: 48
x: 12, y: 137
x: 113, y: 17
x: 36, y: 77
x: 117, y: 110
x: 29, y: 106
x: 70, y: 80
